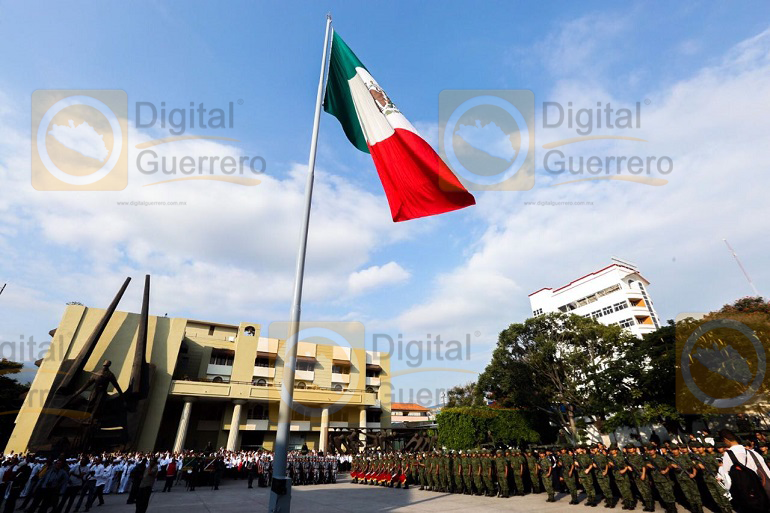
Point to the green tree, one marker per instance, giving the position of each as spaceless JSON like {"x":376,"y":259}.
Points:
{"x":11,"y":397}
{"x":466,"y":428}
{"x":463,"y":395}
{"x":563,"y":365}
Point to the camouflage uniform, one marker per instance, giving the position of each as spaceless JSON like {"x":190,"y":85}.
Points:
{"x":465,"y":466}
{"x":501,"y":467}
{"x":584,"y":463}
{"x":621,"y":473}
{"x":657,"y":464}
{"x":641,"y":477}
{"x":486,"y":473}
{"x":686,"y":483}
{"x":566,"y":459}
{"x":545,"y":470}
{"x":532,"y":466}
{"x":711,"y":466}
{"x":476,"y":472}
{"x":518,"y":465}
{"x":603,"y":477}
{"x":457,"y":473}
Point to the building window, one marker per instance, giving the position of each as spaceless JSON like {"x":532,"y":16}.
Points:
{"x":263,"y":362}
{"x":373,"y":415}
{"x":211,"y":331}
{"x":340,"y":369}
{"x":258,"y":412}
{"x":249,"y":331}
{"x":620,"y":306}
{"x":537,"y":312}
{"x":300,"y":385}
{"x":372,"y":373}
{"x":305,"y":365}
{"x":339,"y":416}
{"x":606,"y":310}
{"x":219,"y":357}
{"x":626,"y":323}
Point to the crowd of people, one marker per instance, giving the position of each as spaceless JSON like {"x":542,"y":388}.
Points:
{"x":35,"y":484}
{"x":692,"y":472}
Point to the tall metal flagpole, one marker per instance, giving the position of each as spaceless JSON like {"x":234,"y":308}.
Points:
{"x":280,"y":492}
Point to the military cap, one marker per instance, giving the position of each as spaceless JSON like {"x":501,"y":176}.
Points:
{"x":674,"y":446}
{"x":614,"y":447}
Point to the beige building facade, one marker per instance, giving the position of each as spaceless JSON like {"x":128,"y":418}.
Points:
{"x":219,"y":385}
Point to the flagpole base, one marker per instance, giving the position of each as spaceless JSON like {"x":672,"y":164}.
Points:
{"x":280,"y":496}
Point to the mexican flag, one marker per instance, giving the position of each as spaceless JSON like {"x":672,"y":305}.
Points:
{"x":417,"y":183}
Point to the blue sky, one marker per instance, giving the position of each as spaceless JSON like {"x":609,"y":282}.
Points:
{"x":229,"y":254}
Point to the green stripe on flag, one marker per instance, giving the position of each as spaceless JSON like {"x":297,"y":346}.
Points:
{"x":338,"y":101}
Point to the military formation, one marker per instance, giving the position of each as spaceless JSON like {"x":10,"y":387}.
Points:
{"x":667,"y":473}
{"x":311,"y":469}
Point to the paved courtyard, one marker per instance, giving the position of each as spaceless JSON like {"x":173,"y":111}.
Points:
{"x":343,"y":497}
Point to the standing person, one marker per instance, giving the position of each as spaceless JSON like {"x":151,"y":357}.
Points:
{"x":518,"y":465}
{"x":170,"y":475}
{"x":737,"y":454}
{"x":78,"y":472}
{"x":567,"y":464}
{"x":659,"y":467}
{"x":635,"y":460}
{"x":21,"y":476}
{"x":136,"y":480}
{"x":145,"y":486}
{"x":584,"y":467}
{"x":251,"y":469}
{"x":101,"y":475}
{"x":532,"y":466}
{"x":602,"y":465}
{"x":546,"y":469}
{"x":219,"y":469}
{"x":51,"y":486}
{"x":685,"y":472}
{"x":501,"y":467}
{"x":709,"y":466}
{"x":621,"y":473}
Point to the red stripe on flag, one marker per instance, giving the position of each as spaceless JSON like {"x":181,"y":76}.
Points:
{"x":417,"y":183}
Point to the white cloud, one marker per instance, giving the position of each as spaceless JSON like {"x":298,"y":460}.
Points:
{"x":375,"y":277}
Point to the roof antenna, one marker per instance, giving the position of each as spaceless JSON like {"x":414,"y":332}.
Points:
{"x":729,"y":247}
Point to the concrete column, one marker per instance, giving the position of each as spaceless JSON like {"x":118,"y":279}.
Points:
{"x":235,"y":424}
{"x":184,"y":422}
{"x":324,"y":429}
{"x":362,"y":422}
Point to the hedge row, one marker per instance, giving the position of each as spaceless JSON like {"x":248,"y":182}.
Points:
{"x":470,"y":427}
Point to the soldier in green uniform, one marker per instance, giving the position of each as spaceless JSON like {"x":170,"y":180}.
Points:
{"x":636,"y":461}
{"x":486,"y":473}
{"x":518,"y":466}
{"x":447,"y":468}
{"x":584,"y":467}
{"x":421,"y":470}
{"x":709,"y":467}
{"x":465,"y":468}
{"x":476,"y":472}
{"x":602,"y":474}
{"x":685,"y":472}
{"x":659,"y":466}
{"x":567,"y":465}
{"x":546,"y":468}
{"x":501,"y":469}
{"x":621,"y":472}
{"x":457,"y":472}
{"x":533,"y":470}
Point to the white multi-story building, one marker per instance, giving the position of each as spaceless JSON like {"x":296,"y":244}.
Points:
{"x":616,"y":294}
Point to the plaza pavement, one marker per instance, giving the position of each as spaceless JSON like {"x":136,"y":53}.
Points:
{"x":343,"y":497}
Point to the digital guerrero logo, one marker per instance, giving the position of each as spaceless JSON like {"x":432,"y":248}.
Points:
{"x":79,"y":140}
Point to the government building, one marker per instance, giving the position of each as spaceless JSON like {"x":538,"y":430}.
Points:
{"x":214,"y":384}
{"x":614,"y":295}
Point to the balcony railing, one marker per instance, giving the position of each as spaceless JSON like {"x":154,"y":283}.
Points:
{"x":264,"y":372}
